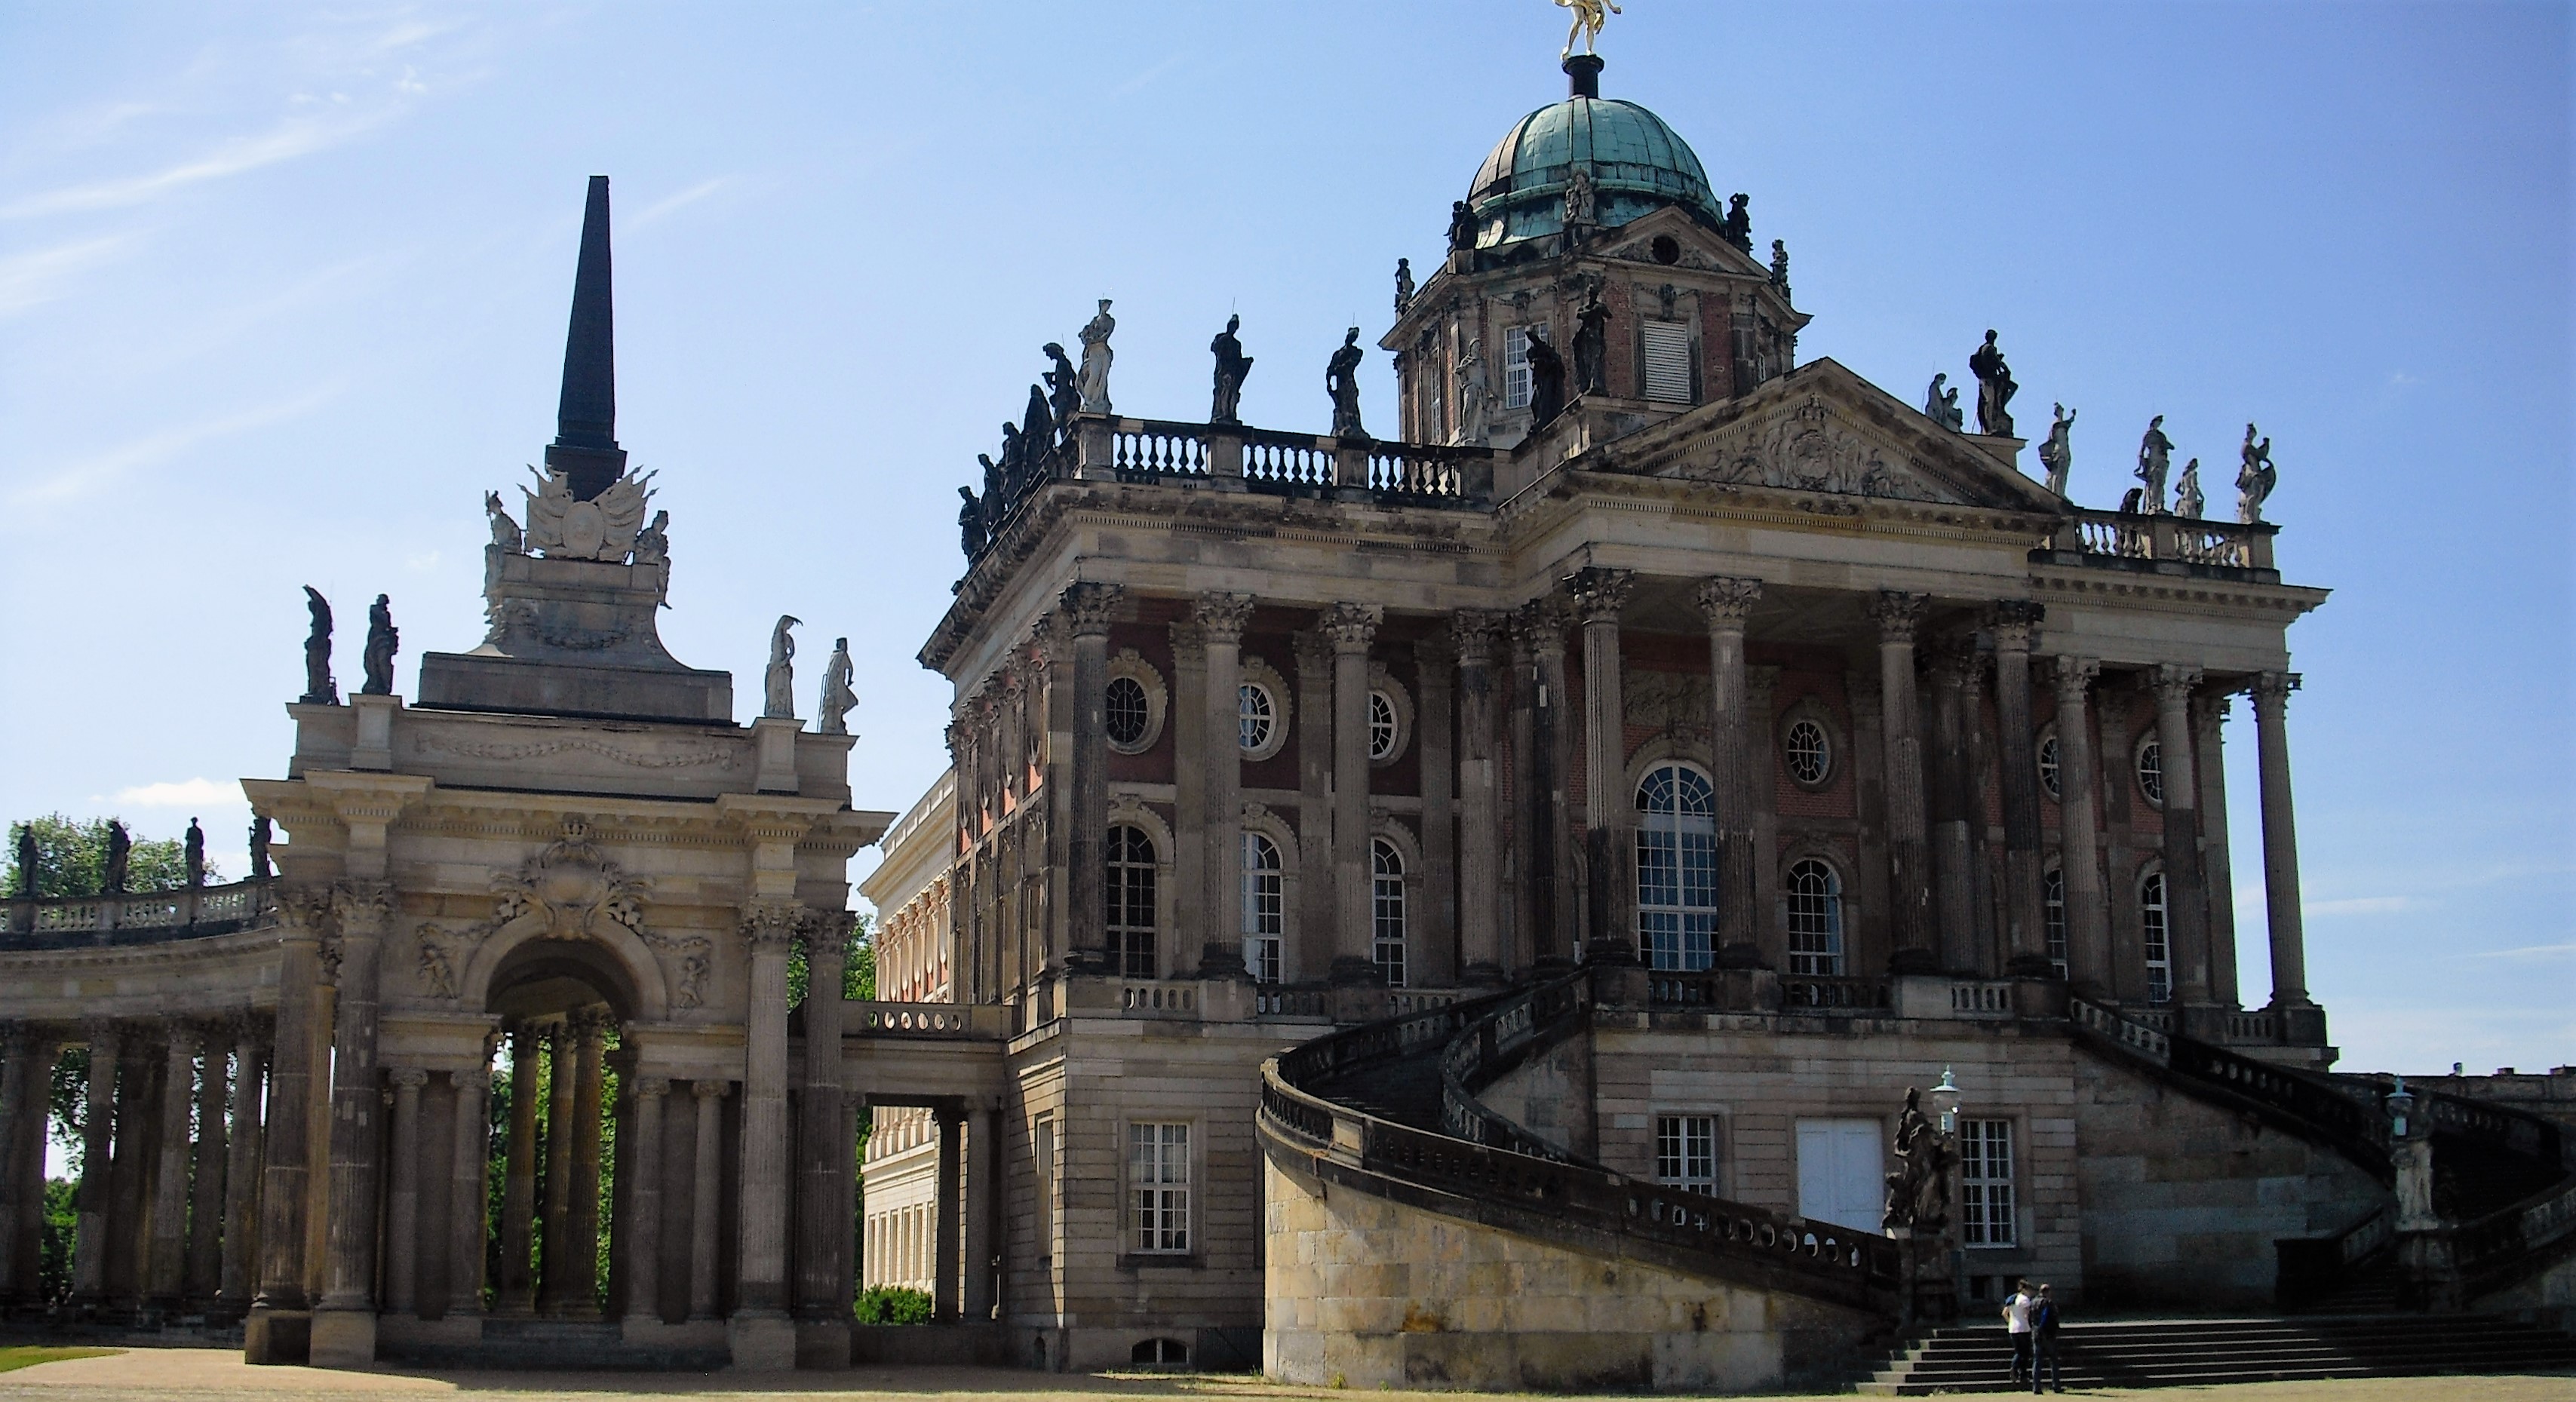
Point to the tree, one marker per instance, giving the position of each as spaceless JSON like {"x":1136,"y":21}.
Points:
{"x":71,"y":860}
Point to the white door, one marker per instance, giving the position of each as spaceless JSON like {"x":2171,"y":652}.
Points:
{"x":1840,"y":1179}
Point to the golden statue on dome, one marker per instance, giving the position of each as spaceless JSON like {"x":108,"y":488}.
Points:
{"x":1588,"y":19}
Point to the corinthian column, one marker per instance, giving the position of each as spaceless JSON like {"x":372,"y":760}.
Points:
{"x":2088,"y":918}
{"x":1909,"y":877}
{"x":823,"y":1232}
{"x":2280,"y":840}
{"x":244,"y":1151}
{"x":1088,"y":607}
{"x":557,"y":1264}
{"x":2025,"y":911}
{"x":1609,"y":813}
{"x":98,"y":1143}
{"x":514,"y":1290}
{"x":1220,"y":619}
{"x":402,"y":1200}
{"x":706,"y":1195}
{"x":2186,"y":899}
{"x":1727,"y":603}
{"x":770,"y":927}
{"x":363,"y":908}
{"x":284,"y":1187}
{"x":1555,"y":926}
{"x":1479,"y":854}
{"x":467,"y":1201}
{"x":644,"y":1199}
{"x":169,"y":1250}
{"x":1351,"y":627}
{"x":206,"y":1188}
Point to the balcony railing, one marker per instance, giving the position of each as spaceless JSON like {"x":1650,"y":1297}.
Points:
{"x":1266,"y":460}
{"x":136,"y":917}
{"x":2175,"y":540}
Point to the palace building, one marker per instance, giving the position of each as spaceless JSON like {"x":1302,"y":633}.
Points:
{"x":1464,"y":908}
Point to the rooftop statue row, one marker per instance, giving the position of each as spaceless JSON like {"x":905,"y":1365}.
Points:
{"x":383,"y":641}
{"x":778,"y":682}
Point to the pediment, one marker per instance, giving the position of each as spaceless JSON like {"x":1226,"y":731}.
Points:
{"x":1821,"y":428}
{"x":1702,"y":249}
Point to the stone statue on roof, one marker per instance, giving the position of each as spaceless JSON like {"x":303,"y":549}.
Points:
{"x":1738,"y":228}
{"x":1233,"y":367}
{"x":970,"y":522}
{"x":192,"y":853}
{"x":383,"y":641}
{"x":1403,"y":286}
{"x":2056,"y":454}
{"x":1592,"y":346}
{"x":838,"y":699}
{"x":319,"y":689}
{"x":2155,"y":456}
{"x":505,"y":532}
{"x":1588,"y":20}
{"x":778,"y":685}
{"x":2187,"y":498}
{"x":1942,"y":406}
{"x":1474,"y":398}
{"x":1064,"y":387}
{"x":2254,"y":478}
{"x":1580,"y":196}
{"x":1096,"y":356}
{"x":1547,"y":379}
{"x":1342,"y":382}
{"x":120,"y":855}
{"x":1995,"y":389}
{"x":1462,"y":227}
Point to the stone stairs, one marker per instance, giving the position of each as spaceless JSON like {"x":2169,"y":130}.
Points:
{"x":555,"y":1345}
{"x":2371,"y":1290}
{"x":2203,"y":1352}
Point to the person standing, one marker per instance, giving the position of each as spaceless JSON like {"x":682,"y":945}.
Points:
{"x":2043,"y":1341}
{"x":2016,"y":1314}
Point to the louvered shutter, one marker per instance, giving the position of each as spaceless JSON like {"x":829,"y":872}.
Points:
{"x":1668,"y":369}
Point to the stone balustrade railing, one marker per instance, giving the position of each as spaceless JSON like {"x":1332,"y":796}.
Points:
{"x":135,"y":917}
{"x":1266,"y":460}
{"x":2174,"y":540}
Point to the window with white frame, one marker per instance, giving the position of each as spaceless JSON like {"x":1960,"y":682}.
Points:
{"x":1516,"y":368}
{"x":1131,"y":902}
{"x":2052,"y":906}
{"x":1384,"y":729}
{"x":2151,"y":770}
{"x":1677,"y":869}
{"x":1986,"y":1215}
{"x":1158,"y":1188}
{"x":1127,"y":711}
{"x":1257,"y":714}
{"x":1042,"y":1139}
{"x":1668,"y":361}
{"x":1686,"y":1152}
{"x":1386,"y":910}
{"x":1808,"y":751}
{"x":2155,"y":937}
{"x":1815,"y":901}
{"x":2049,"y":778}
{"x":1265,"y":907}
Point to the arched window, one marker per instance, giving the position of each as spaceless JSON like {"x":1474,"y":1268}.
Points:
{"x":2049,"y":778}
{"x":1382,"y":730}
{"x":2052,"y":906}
{"x":1256,"y":713}
{"x":1386,"y":910}
{"x":1127,"y":710}
{"x":1131,"y":902}
{"x":1815,"y":898}
{"x":2159,"y":946}
{"x":2151,"y":770}
{"x":1677,"y":869}
{"x":1264,"y":907}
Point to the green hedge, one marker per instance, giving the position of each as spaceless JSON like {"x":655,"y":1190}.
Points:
{"x":893,"y":1304}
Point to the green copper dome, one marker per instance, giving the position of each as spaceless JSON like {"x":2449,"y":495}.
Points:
{"x":1638,"y":166}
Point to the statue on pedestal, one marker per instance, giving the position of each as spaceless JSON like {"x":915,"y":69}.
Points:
{"x":838,"y":698}
{"x":1942,"y":406}
{"x":319,"y":689}
{"x":1342,"y":382}
{"x":778,"y":686}
{"x":1995,"y":389}
{"x":383,"y":641}
{"x":120,"y":854}
{"x":970,"y":523}
{"x":30,"y":861}
{"x":1580,"y":197}
{"x":505,"y":532}
{"x":1096,"y":356}
{"x":1462,"y":227}
{"x":259,"y":839}
{"x":1037,"y":435}
{"x":1233,"y":367}
{"x":1592,"y":347}
{"x":653,"y":550}
{"x":1015,"y":453}
{"x":1547,"y":379}
{"x":1738,"y":229}
{"x":1588,"y":20}
{"x":2155,"y":455}
{"x":2255,"y":478}
{"x":2187,"y":498}
{"x":2055,"y":454}
{"x":192,"y":850}
{"x":1064,"y":387}
{"x":1918,"y":1197}
{"x":1780,"y":264}
{"x":1403,"y":286}
{"x":1474,"y":398}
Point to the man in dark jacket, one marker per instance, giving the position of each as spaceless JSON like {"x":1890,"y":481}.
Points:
{"x":2043,"y":1341}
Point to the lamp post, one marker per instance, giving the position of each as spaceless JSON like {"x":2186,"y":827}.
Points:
{"x":1945,"y":1102}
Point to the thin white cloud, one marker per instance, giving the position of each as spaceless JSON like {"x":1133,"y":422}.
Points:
{"x":2358,"y":905}
{"x":2531,"y":951}
{"x":184,"y":793}
{"x":27,"y":279}
{"x":90,"y":474}
{"x":284,"y":142}
{"x":665,"y":207}
{"x":1138,"y":82}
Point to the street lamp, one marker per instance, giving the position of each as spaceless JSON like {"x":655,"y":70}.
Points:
{"x":1945,"y":1102}
{"x":2401,"y":1104}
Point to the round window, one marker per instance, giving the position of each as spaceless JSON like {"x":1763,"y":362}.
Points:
{"x":1257,"y":714}
{"x":2048,"y":778}
{"x":2151,"y":771}
{"x":1810,"y":752}
{"x":1129,"y":712}
{"x":1382,"y":727}
{"x":1665,"y":249}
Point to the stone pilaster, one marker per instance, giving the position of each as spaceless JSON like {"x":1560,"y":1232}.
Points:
{"x":2186,"y":894}
{"x":1727,"y":604}
{"x":770,"y":927}
{"x":1192,"y":710}
{"x":2025,"y":913}
{"x":823,"y":1231}
{"x":2280,"y":841}
{"x":1871,"y":926}
{"x":643,"y":1284}
{"x":563,"y":1274}
{"x":1352,"y":627}
{"x":1087,"y":609}
{"x":1434,"y":937}
{"x":2088,"y":917}
{"x":1557,"y":928}
{"x":1221,"y":619}
{"x":362,"y":908}
{"x":206,"y":1175}
{"x":1609,"y":810}
{"x":1985,"y":922}
{"x":2217,"y":874}
{"x":285,"y":1187}
{"x":706,"y":1196}
{"x":26,"y":1087}
{"x":515,"y":1291}
{"x":945,"y":1202}
{"x":1318,"y":906}
{"x":402,"y":1196}
{"x":1909,"y":876}
{"x":975,"y":1190}
{"x":1770,"y":933}
{"x":468,"y":1153}
{"x":1480,"y":878}
{"x":1947,"y":805}
{"x":244,"y":1152}
{"x":168,"y":1279}
{"x":98,"y":1146}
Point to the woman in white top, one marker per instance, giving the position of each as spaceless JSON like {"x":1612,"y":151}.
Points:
{"x":2016,"y":1314}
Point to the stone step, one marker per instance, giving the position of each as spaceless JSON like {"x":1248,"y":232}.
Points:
{"x":2205,"y":1352}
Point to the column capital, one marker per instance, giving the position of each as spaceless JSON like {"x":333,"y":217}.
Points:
{"x":2174,"y":683}
{"x":1541,"y":625}
{"x":410,"y":1078}
{"x":1600,"y":593}
{"x":652,"y":1087}
{"x":1898,"y":614}
{"x":363,"y":908}
{"x":1088,"y":606}
{"x":303,"y":911}
{"x":2073,"y":676}
{"x":826,"y":931}
{"x":2013,"y":621}
{"x":472,"y":1080}
{"x":1727,"y":602}
{"x":1221,"y":617}
{"x":2272,"y":691}
{"x":102,"y":1034}
{"x":710,"y":1090}
{"x":772,"y":926}
{"x":1475,"y":631}
{"x":1189,"y":641}
{"x":1314,"y":649}
{"x":1951,"y":661}
{"x":1352,"y":627}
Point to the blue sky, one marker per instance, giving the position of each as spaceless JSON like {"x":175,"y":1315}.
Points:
{"x":282,"y":292}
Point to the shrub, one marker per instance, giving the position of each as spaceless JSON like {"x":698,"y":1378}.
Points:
{"x":893,"y":1304}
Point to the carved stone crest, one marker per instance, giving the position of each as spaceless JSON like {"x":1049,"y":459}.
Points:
{"x":1812,"y":448}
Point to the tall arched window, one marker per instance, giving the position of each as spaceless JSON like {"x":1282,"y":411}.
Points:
{"x":2052,"y":905}
{"x":1815,"y":900}
{"x":1265,"y":907}
{"x":1131,"y":902}
{"x":1677,"y":869}
{"x":1386,"y":910}
{"x":2159,"y":947}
